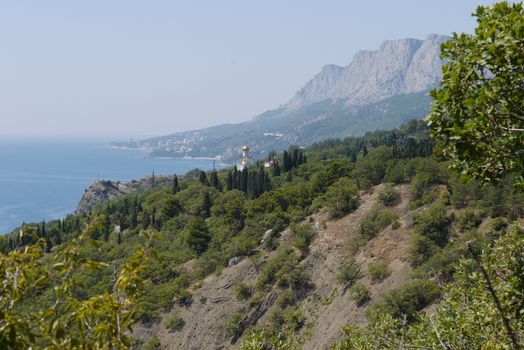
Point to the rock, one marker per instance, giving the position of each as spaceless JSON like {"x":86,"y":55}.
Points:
{"x":398,"y":67}
{"x":266,"y":235}
{"x":100,"y":192}
{"x":316,"y":227}
{"x":233,"y":261}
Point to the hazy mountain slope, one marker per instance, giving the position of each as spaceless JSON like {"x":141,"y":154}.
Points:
{"x":378,"y":90}
{"x":398,"y":67}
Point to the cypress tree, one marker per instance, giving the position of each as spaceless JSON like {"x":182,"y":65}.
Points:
{"x":276,"y":169}
{"x":286,"y":161}
{"x":243,"y":180}
{"x":203,"y":178}
{"x":119,"y":238}
{"x":153,"y":179}
{"x":175,"y":188}
{"x":206,"y":205}
{"x":229,"y":182}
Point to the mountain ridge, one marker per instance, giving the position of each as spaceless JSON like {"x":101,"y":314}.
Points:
{"x":366,"y":95}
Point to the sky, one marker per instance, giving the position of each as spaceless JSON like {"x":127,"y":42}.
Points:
{"x":135,"y":68}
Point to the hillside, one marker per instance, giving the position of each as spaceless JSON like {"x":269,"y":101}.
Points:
{"x":378,"y":90}
{"x":335,"y":234}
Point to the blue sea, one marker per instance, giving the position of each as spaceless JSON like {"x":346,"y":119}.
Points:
{"x":43,"y":179}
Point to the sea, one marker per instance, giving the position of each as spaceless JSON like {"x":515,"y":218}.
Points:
{"x":44,"y":178}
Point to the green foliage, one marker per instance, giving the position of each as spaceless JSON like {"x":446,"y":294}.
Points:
{"x":468,"y":219}
{"x":243,"y":291}
{"x":302,"y":236}
{"x":234,"y":326}
{"x":375,"y":221}
{"x":389,"y":196}
{"x":349,"y":273}
{"x":197,"y":235}
{"x":421,"y":249}
{"x":378,"y":271}
{"x":360,"y":294}
{"x":467,"y":317}
{"x":407,"y":300}
{"x":477,"y":114}
{"x":69,"y":321}
{"x":174,"y":322}
{"x":434,"y":223}
{"x":153,"y":344}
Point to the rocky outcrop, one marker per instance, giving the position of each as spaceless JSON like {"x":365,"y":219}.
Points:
{"x":100,"y":192}
{"x":401,"y":66}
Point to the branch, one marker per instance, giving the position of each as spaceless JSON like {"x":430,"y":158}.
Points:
{"x":491,"y":290}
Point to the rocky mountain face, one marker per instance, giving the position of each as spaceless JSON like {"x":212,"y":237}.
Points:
{"x":379,"y":89}
{"x":100,"y":192}
{"x":398,"y":67}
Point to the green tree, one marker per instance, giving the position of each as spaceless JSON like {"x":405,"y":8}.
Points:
{"x":197,"y":235}
{"x":175,"y":188}
{"x":478,"y":111}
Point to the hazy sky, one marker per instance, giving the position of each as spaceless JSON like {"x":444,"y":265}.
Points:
{"x":136,"y":68}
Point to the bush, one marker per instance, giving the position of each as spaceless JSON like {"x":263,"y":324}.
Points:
{"x":302,"y":236}
{"x":421,"y":249}
{"x":285,"y":299}
{"x":341,"y":198}
{"x":174,"y":323}
{"x":375,"y":221}
{"x":243,"y":291}
{"x":294,"y":319}
{"x":389,"y":196}
{"x":378,"y":271}
{"x":468,"y":219}
{"x":396,"y":225}
{"x":360,"y":294}
{"x":349,"y":273}
{"x":412,"y":297}
{"x":434,"y":223}
{"x":153,"y":344}
{"x":234,"y":326}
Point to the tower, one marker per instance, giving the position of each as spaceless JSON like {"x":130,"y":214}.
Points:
{"x":244,"y":158}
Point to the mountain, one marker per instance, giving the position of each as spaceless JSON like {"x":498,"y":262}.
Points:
{"x":379,"y":89}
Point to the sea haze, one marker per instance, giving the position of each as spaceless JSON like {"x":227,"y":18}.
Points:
{"x":43,"y":179}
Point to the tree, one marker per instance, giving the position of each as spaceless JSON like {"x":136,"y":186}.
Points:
{"x":203,"y":178}
{"x":175,"y":187}
{"x":99,"y":321}
{"x":197,"y":235}
{"x":478,"y":111}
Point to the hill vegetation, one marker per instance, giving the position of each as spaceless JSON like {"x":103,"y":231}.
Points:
{"x":372,"y":233}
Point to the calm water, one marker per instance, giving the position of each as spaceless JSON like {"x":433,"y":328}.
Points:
{"x":44,"y":179}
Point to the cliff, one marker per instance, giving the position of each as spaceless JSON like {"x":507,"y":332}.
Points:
{"x":100,"y":192}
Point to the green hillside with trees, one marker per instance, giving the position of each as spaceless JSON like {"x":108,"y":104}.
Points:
{"x":83,"y":282}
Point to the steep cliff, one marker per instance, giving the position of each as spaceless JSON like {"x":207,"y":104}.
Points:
{"x":100,"y":192}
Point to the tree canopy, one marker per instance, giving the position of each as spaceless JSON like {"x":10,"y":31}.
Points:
{"x":478,"y":111}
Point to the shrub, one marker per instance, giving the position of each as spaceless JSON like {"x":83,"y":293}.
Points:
{"x":294,"y":319}
{"x":234,"y":326}
{"x":360,"y":294}
{"x":285,"y":299}
{"x":174,"y":323}
{"x":375,"y":221}
{"x":421,"y":249}
{"x":243,"y":291}
{"x":349,"y":273}
{"x":341,"y":198}
{"x":396,"y":225}
{"x":378,"y":271}
{"x":153,"y":344}
{"x":389,"y":196}
{"x":302,"y":236}
{"x":434,"y":223}
{"x":468,"y":219}
{"x":412,"y":297}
